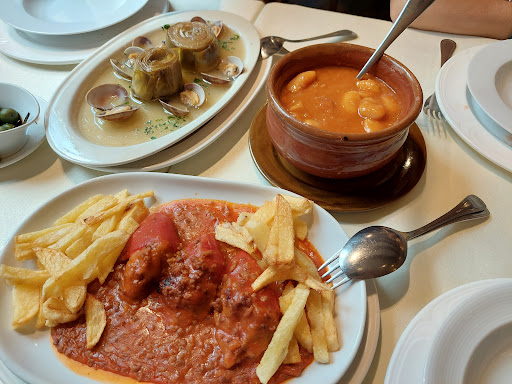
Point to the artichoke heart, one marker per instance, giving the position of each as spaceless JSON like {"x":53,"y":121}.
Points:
{"x":156,"y":74}
{"x":200,"y":49}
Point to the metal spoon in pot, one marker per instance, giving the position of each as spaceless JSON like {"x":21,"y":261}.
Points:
{"x":377,"y":251}
{"x":411,"y":10}
{"x":270,"y":45}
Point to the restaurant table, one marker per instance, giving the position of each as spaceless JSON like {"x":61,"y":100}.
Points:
{"x":453,"y":256}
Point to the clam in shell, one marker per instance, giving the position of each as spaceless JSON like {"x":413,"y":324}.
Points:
{"x":229,"y":69}
{"x":111,"y":100}
{"x":215,"y":26}
{"x":192,"y":96}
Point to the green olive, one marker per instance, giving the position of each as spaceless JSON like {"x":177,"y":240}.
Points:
{"x":6,"y":126}
{"x":9,"y":115}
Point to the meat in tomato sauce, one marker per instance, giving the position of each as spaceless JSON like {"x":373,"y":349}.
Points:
{"x":179,"y":304}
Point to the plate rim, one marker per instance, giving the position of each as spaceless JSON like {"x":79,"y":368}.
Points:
{"x":65,"y":138}
{"x":17,"y":16}
{"x":482,"y":70}
{"x":191,"y":184}
{"x":426,"y":317}
{"x":462,"y":119}
{"x":446,"y":368}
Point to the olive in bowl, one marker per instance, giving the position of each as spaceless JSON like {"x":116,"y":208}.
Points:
{"x":18,"y":110}
{"x":325,"y":122}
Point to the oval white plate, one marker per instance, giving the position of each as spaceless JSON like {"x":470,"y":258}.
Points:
{"x":407,"y":364}
{"x":35,"y":133}
{"x":208,"y":133}
{"x":452,"y":95}
{"x":17,"y":349}
{"x":490,"y":81}
{"x":62,"y":127}
{"x":466,"y":327}
{"x":64,"y":17}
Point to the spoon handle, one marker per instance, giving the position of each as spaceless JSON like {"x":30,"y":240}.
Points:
{"x":472,"y":207}
{"x":344,"y":32}
{"x":412,"y":9}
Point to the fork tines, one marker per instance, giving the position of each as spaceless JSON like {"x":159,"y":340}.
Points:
{"x":330,"y":269}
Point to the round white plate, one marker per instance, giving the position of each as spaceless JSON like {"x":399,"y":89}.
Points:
{"x":452,"y":95}
{"x":72,"y":49}
{"x":64,"y":17}
{"x":45,"y":367}
{"x":208,"y":133}
{"x":62,"y":131}
{"x":35,"y":133}
{"x":490,"y":81}
{"x":407,"y":364}
{"x":467,"y":328}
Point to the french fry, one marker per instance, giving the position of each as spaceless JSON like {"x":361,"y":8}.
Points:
{"x":107,"y":226}
{"x":278,"y":347}
{"x":75,"y":233}
{"x":74,"y":297}
{"x":82,"y":267}
{"x":270,"y":251}
{"x":301,"y":229}
{"x":293,"y":354}
{"x":30,"y":237}
{"x":315,"y":316}
{"x":286,"y":235}
{"x":101,"y":205}
{"x":25,"y":300}
{"x":302,"y":332}
{"x":295,"y":272}
{"x":95,"y":319}
{"x":299,"y":205}
{"x":331,"y":333}
{"x":23,"y":276}
{"x":72,"y":216}
{"x":55,"y":312}
{"x":133,"y":216}
{"x":119,"y":207}
{"x":235,"y":236}
{"x":53,"y":260}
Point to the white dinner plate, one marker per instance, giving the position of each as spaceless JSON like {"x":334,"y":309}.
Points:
{"x":62,"y":126}
{"x":407,"y":364}
{"x":16,"y":349}
{"x":462,"y":338}
{"x":64,"y":17}
{"x":208,"y":133}
{"x":490,"y":82}
{"x":452,"y":95}
{"x":35,"y":133}
{"x":72,"y":49}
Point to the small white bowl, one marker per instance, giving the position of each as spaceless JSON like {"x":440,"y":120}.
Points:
{"x":21,"y":100}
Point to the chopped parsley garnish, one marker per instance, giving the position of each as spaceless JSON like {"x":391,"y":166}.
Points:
{"x":166,"y":26}
{"x":226,"y":44}
{"x":172,"y":123}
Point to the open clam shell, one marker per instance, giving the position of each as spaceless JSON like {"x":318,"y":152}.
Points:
{"x":229,"y":69}
{"x":117,"y":113}
{"x":192,"y":96}
{"x":142,"y":42}
{"x":121,"y":69}
{"x":111,"y":100}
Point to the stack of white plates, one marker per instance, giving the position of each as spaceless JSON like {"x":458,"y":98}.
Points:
{"x":462,"y":337}
{"x":66,"y":32}
{"x":474,"y":91}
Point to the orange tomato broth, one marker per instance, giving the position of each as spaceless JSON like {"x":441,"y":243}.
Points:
{"x":336,"y":101}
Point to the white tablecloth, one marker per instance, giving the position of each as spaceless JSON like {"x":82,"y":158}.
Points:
{"x":448,"y":258}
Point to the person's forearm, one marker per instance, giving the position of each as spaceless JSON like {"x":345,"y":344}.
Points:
{"x":488,"y":18}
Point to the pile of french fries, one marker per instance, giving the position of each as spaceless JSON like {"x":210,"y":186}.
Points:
{"x":307,"y":305}
{"x":81,"y":246}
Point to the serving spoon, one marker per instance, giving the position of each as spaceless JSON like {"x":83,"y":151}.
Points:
{"x":377,"y":250}
{"x":411,"y":10}
{"x":270,"y":45}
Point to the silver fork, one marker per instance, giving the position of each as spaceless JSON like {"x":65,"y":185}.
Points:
{"x":431,"y":107}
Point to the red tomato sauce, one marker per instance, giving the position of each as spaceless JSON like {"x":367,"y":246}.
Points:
{"x":179,"y":304}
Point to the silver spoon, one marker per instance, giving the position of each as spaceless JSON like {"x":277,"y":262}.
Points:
{"x":377,"y":251}
{"x":411,"y":10}
{"x":270,"y":45}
